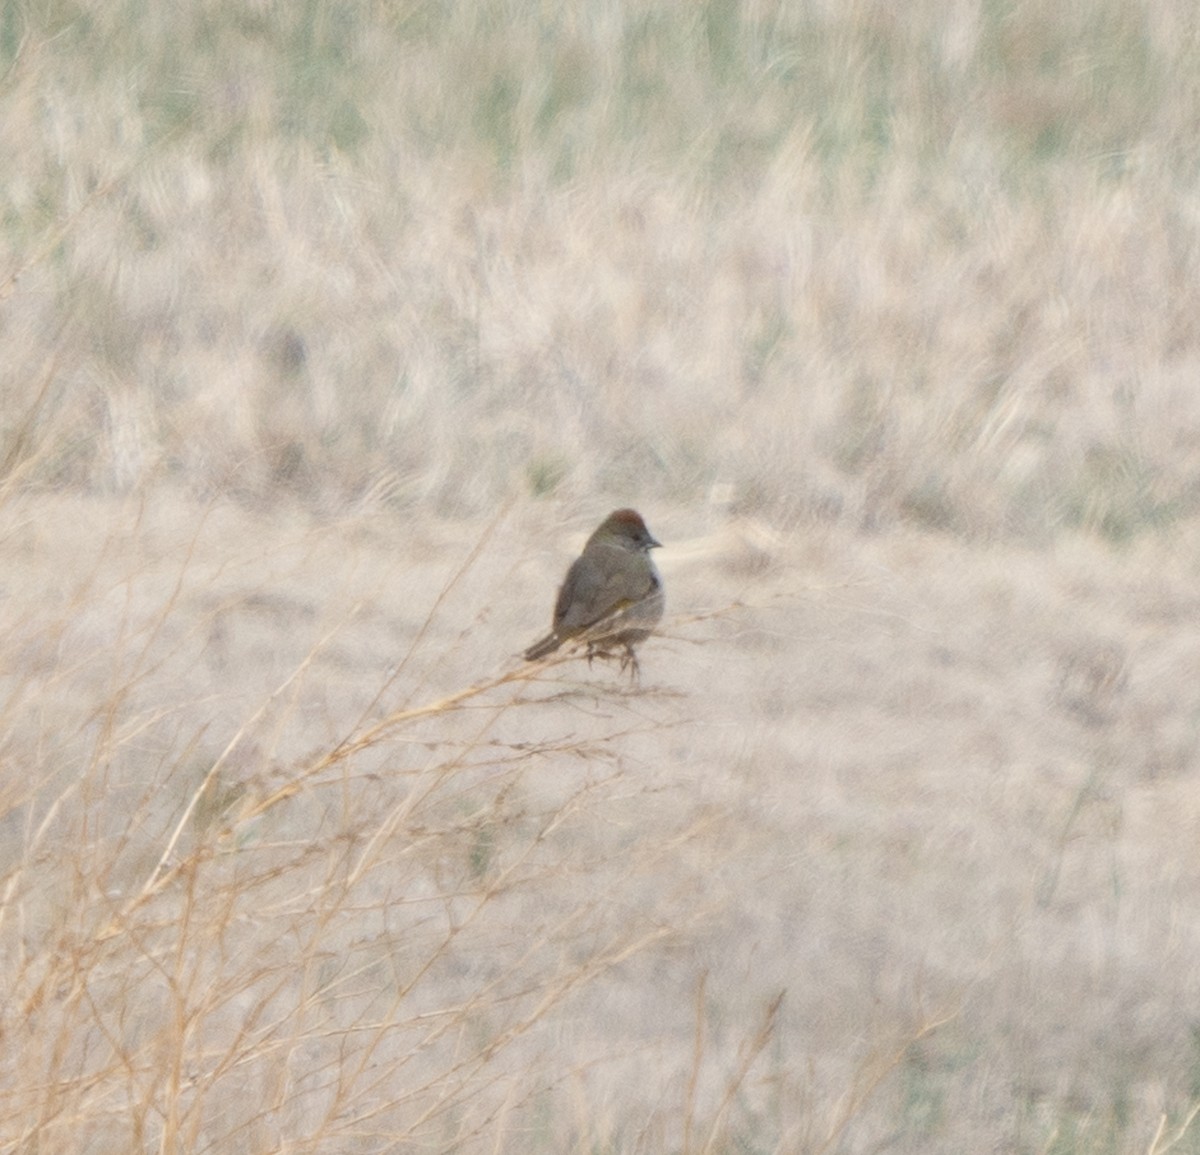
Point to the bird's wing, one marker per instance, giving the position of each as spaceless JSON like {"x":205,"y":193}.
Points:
{"x":601,"y":585}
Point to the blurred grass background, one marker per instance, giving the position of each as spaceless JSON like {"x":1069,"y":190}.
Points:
{"x":325,"y":330}
{"x":934,"y":264}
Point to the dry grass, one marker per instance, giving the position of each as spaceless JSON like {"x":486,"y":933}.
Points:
{"x":248,"y":900}
{"x":941,"y":269}
{"x":327,"y":331}
{"x":296,"y":853}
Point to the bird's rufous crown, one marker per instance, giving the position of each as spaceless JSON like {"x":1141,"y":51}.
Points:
{"x":626,"y":517}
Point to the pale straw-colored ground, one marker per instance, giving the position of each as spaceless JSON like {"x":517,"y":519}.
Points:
{"x":891,"y":780}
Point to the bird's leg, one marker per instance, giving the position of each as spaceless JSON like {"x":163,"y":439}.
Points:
{"x":629,"y":662}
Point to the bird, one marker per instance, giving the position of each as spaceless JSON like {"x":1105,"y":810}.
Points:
{"x":612,"y":596}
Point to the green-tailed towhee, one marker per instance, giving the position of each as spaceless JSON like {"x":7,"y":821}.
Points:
{"x":612,"y":596}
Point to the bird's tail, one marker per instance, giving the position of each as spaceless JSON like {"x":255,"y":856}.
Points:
{"x":540,"y":649}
